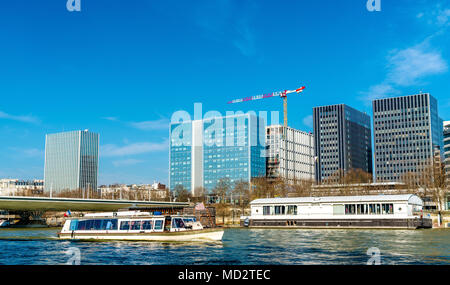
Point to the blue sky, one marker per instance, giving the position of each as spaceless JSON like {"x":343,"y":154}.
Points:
{"x":123,"y":67}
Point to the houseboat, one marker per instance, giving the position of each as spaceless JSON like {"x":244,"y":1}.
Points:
{"x":138,"y":226}
{"x":372,"y":211}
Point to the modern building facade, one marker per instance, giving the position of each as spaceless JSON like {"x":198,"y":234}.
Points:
{"x":407,"y":134}
{"x":290,"y":154}
{"x":71,"y":161}
{"x":204,"y":151}
{"x":342,"y":138}
{"x":447,"y":152}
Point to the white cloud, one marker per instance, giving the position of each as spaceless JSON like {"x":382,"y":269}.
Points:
{"x":308,"y":121}
{"x":110,"y":118}
{"x":409,"y":65}
{"x":443,"y":17}
{"x":378,"y":91}
{"x":161,"y":124}
{"x":132,"y":149}
{"x":126,"y":162}
{"x":25,"y":119}
{"x":28,"y":152}
{"x":406,"y":67}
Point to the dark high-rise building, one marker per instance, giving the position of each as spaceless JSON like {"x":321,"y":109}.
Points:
{"x":342,"y":139}
{"x":407,"y":133}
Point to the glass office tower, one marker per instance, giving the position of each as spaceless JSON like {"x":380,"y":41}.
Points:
{"x":342,"y":138}
{"x":204,"y":151}
{"x":407,"y":132}
{"x":71,"y":161}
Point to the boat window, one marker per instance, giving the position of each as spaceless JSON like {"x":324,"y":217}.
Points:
{"x":158,"y":224}
{"x":124,"y":225}
{"x":147,"y":225}
{"x":378,"y":209}
{"x":81,"y":225}
{"x":189,"y":220}
{"x":89,"y":224}
{"x":266,"y":210}
{"x":135,"y":225}
{"x":73,"y":225}
{"x":96,"y":224}
{"x":177,"y":223}
{"x":110,"y":224}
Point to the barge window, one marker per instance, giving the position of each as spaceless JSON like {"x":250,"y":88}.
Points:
{"x":292,"y":210}
{"x":378,"y":209}
{"x":147,"y":225}
{"x":350,"y":209}
{"x":279,"y":210}
{"x":135,"y":225}
{"x":266,"y":210}
{"x":124,"y":225}
{"x":158,"y":224}
{"x":388,"y":209}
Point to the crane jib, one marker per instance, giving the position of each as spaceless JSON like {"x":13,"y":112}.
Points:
{"x":263,"y":96}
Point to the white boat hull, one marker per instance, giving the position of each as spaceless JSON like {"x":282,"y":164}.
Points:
{"x":200,"y":235}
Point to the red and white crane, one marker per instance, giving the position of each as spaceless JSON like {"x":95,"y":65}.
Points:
{"x":282,"y":94}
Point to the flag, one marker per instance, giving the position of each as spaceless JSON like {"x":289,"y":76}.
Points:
{"x":200,"y":207}
{"x":68,"y":213}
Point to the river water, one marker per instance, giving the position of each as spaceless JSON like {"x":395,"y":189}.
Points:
{"x":239,"y":246}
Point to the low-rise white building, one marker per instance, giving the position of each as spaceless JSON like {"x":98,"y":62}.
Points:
{"x":10,"y":187}
{"x":153,"y":191}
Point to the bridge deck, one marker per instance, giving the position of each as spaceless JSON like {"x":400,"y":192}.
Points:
{"x":18,"y":203}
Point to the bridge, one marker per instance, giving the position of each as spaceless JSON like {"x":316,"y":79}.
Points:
{"x":20,"y":203}
{"x":31,"y":209}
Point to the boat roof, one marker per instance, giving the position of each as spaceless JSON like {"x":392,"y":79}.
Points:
{"x":410,"y":198}
{"x":128,"y":214}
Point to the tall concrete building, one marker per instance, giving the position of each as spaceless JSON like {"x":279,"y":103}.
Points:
{"x":290,"y":154}
{"x":204,"y":151}
{"x":447,"y":152}
{"x":342,"y":138}
{"x":407,"y":134}
{"x":71,"y":161}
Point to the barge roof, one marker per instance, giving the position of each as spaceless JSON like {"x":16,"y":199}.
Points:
{"x":410,"y":198}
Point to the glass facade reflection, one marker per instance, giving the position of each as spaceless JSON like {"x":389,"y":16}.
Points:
{"x":71,"y":161}
{"x":204,"y":151}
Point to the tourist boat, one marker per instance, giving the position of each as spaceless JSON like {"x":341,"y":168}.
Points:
{"x":138,"y":226}
{"x":372,"y":211}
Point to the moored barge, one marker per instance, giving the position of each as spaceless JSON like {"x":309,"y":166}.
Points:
{"x":371,"y":211}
